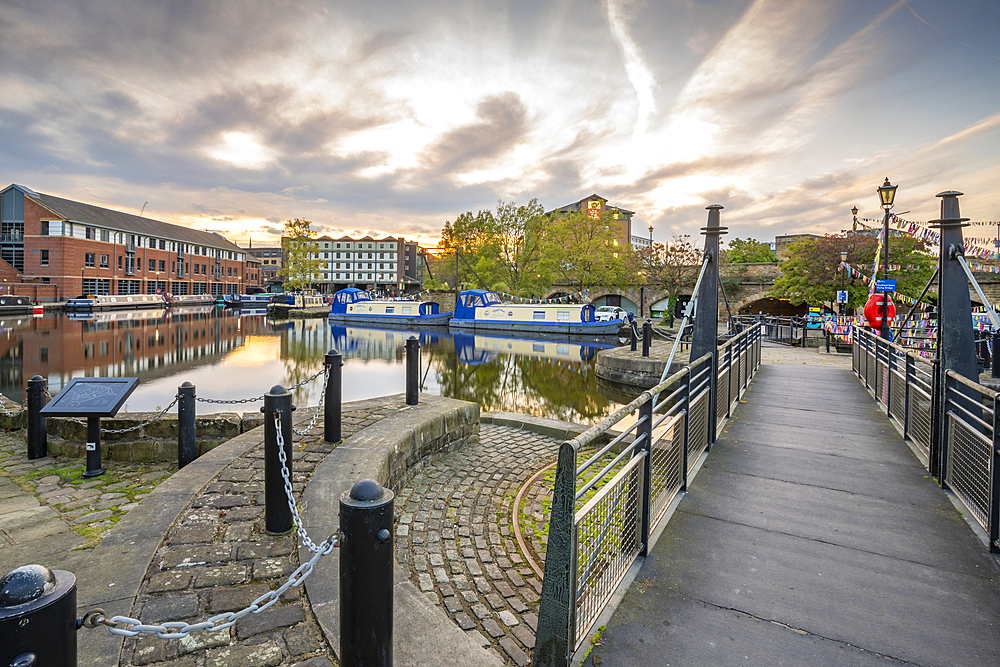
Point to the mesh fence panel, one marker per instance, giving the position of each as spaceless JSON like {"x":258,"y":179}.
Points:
{"x":698,"y":431}
{"x":721,"y":407}
{"x":919,"y":414}
{"x":668,"y":441}
{"x":608,"y":541}
{"x":897,"y":391}
{"x":968,"y":475}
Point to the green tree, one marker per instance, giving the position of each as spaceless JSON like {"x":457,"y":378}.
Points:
{"x":519,"y":244}
{"x":302,"y":265}
{"x":585,"y":251}
{"x":811,"y":272}
{"x":674,"y":265}
{"x":748,"y":251}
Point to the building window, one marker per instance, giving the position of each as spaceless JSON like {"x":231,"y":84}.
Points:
{"x":152,"y":265}
{"x":163,"y":265}
{"x":119,"y":262}
{"x":105,"y":235}
{"x":89,"y":259}
{"x":197,"y":268}
{"x":91,"y":233}
{"x":43,"y":257}
{"x":163,"y":244}
{"x":104,"y":262}
{"x":45,"y":228}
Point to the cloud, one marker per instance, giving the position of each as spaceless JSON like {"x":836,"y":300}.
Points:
{"x":638,"y":73}
{"x":501,"y":123}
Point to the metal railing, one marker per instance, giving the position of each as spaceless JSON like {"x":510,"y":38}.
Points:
{"x":604,"y":508}
{"x":954,"y":425}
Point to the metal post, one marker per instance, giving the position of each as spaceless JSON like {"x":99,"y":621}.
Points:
{"x":645,"y":430}
{"x":187,"y":442}
{"x":277,"y":514}
{"x":38,"y":617}
{"x":993,"y":520}
{"x":827,"y":342}
{"x":412,"y":370}
{"x":93,"y":447}
{"x":632,"y":334}
{"x":332,"y":406}
{"x":366,"y":581}
{"x":647,"y":337}
{"x":704,"y":338}
{"x":687,"y":431}
{"x":908,"y":373}
{"x":37,"y":432}
{"x":995,"y":370}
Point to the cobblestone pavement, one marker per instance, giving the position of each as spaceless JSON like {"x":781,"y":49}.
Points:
{"x":217,"y":558}
{"x":455,"y":538}
{"x":49,"y":498}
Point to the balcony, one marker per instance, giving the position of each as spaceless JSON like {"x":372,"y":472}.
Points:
{"x":130,"y":248}
{"x":12,"y":237}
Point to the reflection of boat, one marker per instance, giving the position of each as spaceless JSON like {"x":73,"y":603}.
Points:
{"x":176,"y":300}
{"x":354,"y":305}
{"x":282,"y":304}
{"x":482,"y":310}
{"x":479,"y":349}
{"x":117,"y":315}
{"x":115,"y":301}
{"x":378,"y":342}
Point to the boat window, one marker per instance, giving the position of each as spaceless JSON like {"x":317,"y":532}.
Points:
{"x":407,"y":310}
{"x":562,"y":315}
{"x":491,"y":298}
{"x":470,"y":301}
{"x":539,"y":315}
{"x":390,"y":310}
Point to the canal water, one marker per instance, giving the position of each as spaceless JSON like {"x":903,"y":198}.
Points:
{"x":232,"y":354}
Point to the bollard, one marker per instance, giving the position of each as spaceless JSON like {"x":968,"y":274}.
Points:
{"x":366,"y":517}
{"x":37,"y":432}
{"x":633,"y":335}
{"x":334,"y":397}
{"x":996,"y":354}
{"x":277,"y":514}
{"x":187,"y":445}
{"x":412,"y":369}
{"x":828,"y":342}
{"x":647,"y":336}
{"x":38,"y":617}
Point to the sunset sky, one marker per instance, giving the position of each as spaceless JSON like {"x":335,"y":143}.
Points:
{"x":381,"y":117}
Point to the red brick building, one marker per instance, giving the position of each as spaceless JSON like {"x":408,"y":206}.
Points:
{"x":83,"y":249}
{"x":595,"y":206}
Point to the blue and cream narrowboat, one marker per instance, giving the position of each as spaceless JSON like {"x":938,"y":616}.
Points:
{"x":283,"y":304}
{"x":256,"y":300}
{"x":484,"y":311}
{"x":358,"y":307}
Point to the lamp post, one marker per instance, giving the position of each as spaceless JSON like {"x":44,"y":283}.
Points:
{"x":651,"y":235}
{"x":843,"y":279}
{"x":854,"y":212}
{"x":886,"y":194}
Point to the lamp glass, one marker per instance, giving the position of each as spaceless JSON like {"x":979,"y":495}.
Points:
{"x":843,"y":256}
{"x":854,"y":211}
{"x":887,"y":193}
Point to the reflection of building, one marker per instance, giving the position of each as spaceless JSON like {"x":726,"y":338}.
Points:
{"x":147,"y":344}
{"x":63,"y":248}
{"x":595,"y":206}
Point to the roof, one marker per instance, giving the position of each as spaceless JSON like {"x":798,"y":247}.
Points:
{"x":576,"y":206}
{"x":74,"y":211}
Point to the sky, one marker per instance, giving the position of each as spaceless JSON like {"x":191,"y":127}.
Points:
{"x":390,"y":118}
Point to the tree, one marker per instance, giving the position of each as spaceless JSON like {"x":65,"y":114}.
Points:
{"x":585,"y":251}
{"x":811,"y":272}
{"x":302,"y":264}
{"x":748,"y":251}
{"x":674,"y":265}
{"x":519,"y":243}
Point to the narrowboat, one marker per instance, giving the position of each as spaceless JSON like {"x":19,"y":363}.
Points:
{"x":481,"y":310}
{"x":283,"y":304}
{"x":256,"y":300}
{"x":115,"y":302}
{"x":357,"y":306}
{"x":175,"y":300}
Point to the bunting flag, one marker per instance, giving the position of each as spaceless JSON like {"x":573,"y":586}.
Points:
{"x":975,"y":246}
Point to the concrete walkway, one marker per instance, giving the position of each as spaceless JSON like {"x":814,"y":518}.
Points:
{"x":811,"y":536}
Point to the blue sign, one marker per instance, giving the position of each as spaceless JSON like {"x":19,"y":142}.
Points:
{"x":885,"y":285}
{"x":841,"y":296}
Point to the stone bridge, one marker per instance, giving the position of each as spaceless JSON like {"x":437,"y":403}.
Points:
{"x":746,"y":287}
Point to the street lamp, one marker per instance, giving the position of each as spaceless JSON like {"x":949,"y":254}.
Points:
{"x":651,"y":236}
{"x":886,"y":195}
{"x":843,"y":280}
{"x":854,"y":212}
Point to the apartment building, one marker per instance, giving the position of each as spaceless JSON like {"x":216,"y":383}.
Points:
{"x":270,"y":258}
{"x":387,"y":264}
{"x":595,"y":206}
{"x":83,"y":249}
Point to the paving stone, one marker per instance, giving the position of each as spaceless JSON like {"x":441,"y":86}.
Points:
{"x":269,"y":619}
{"x":452,"y":604}
{"x":516,"y":604}
{"x":162,"y":582}
{"x":193,"y":534}
{"x":225,"y":575}
{"x":243,"y":514}
{"x":258,"y":655}
{"x":93,"y":516}
{"x":425,"y":582}
{"x":514,"y":652}
{"x":481,"y":611}
{"x":524,"y":635}
{"x":315,"y":661}
{"x":496,"y":601}
{"x":508,"y":618}
{"x":149,"y":649}
{"x":492,"y":628}
{"x":464,"y":621}
{"x":234,"y":599}
{"x":192,"y":556}
{"x":240,"y":532}
{"x":202,"y":640}
{"x":504,"y":588}
{"x":170,"y":608}
{"x":268,"y":568}
{"x":531,"y":620}
{"x":279,"y":547}
{"x":303,"y":639}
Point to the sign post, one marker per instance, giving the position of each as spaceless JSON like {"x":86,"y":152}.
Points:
{"x":92,"y":398}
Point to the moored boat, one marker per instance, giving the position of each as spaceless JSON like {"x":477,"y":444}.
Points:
{"x":115,"y":301}
{"x":357,"y":306}
{"x":482,"y":310}
{"x":256,"y":300}
{"x":175,"y":300}
{"x":283,"y":304}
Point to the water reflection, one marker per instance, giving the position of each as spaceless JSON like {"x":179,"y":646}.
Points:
{"x":231,"y":355}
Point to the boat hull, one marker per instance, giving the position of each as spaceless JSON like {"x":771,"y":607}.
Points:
{"x":116,"y":302}
{"x":440,"y":320}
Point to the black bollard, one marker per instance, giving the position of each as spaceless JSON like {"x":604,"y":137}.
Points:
{"x":93,"y":447}
{"x":38,"y":617}
{"x":366,"y":517}
{"x":334,"y":397}
{"x":412,"y":369}
{"x":828,"y":342}
{"x":277,"y":514}
{"x":37,"y":432}
{"x":996,"y":354}
{"x":647,"y":336}
{"x":187,"y":442}
{"x":632,"y":334}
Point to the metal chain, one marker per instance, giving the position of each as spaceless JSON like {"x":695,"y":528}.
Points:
{"x":254,"y":399}
{"x":132,"y":428}
{"x":319,"y":409}
{"x":296,"y":520}
{"x":307,"y":380}
{"x":3,"y":408}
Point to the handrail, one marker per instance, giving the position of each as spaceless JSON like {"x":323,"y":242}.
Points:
{"x":971,"y":384}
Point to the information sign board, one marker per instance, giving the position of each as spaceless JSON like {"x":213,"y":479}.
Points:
{"x":885,"y":285}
